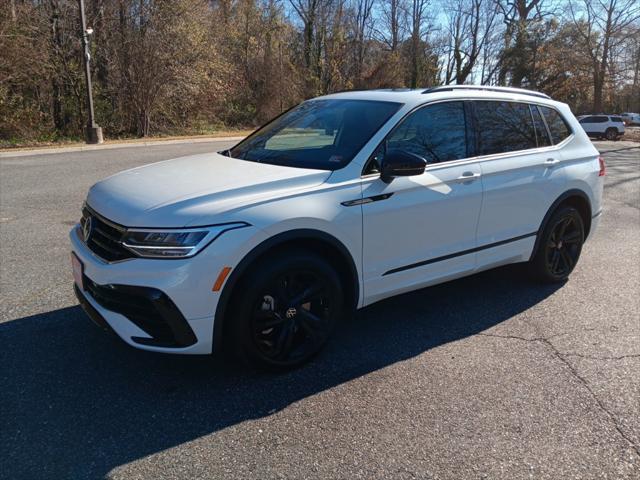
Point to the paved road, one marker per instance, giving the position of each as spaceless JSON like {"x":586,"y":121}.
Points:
{"x":485,"y":377}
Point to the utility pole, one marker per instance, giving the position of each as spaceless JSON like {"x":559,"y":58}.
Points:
{"x":93,"y":132}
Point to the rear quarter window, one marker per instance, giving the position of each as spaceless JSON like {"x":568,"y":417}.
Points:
{"x":616,"y":119}
{"x":558,"y":126}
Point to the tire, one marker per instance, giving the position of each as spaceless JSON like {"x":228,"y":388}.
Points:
{"x":611,"y":134}
{"x":285,"y":310}
{"x":559,"y":247}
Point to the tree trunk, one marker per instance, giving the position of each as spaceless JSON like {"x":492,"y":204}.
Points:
{"x":143,"y":123}
{"x":519,"y":55}
{"x":308,"y":40}
{"x":394,"y":25}
{"x":601,"y":68}
{"x":57,"y":100}
{"x":598,"y":85}
{"x":415,"y":66}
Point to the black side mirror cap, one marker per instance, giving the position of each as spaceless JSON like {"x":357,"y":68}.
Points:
{"x":399,"y":163}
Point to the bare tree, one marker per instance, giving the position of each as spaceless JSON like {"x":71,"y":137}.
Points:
{"x":518,"y":17}
{"x":417,"y":18}
{"x":392,"y":23}
{"x":362,"y":29}
{"x":603,"y":26}
{"x":309,"y":12}
{"x":470,"y":24}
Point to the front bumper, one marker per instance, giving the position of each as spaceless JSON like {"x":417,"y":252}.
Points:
{"x":158,"y":304}
{"x":148,"y":308}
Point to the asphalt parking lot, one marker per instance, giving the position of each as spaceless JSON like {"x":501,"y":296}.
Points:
{"x":486,"y":377}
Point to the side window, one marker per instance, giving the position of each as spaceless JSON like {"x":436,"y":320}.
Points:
{"x":541,"y":130}
{"x":616,"y":119}
{"x":557,"y":126}
{"x":436,"y":132}
{"x":504,"y":127}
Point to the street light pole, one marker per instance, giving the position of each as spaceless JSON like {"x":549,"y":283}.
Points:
{"x":93,"y":132}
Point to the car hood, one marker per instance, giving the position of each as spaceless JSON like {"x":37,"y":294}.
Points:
{"x":194,"y":190}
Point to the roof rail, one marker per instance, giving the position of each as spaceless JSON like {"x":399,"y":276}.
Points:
{"x":486,"y":88}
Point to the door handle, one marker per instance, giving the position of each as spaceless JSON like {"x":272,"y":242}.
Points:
{"x":551,"y":161}
{"x":468,"y":177}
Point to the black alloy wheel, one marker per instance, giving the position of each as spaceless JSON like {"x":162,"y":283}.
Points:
{"x":287,"y":310}
{"x":292,"y":317}
{"x":563,"y":247}
{"x":611,"y":134}
{"x":560,"y":246}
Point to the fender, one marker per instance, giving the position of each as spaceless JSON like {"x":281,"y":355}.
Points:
{"x":569,"y":193}
{"x":266,"y":245}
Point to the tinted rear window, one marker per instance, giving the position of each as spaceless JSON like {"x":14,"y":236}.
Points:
{"x":594,"y":119}
{"x":504,"y":127}
{"x":557,"y":125}
{"x":616,"y":119}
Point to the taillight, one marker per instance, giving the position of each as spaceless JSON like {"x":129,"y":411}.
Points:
{"x":603,"y":167}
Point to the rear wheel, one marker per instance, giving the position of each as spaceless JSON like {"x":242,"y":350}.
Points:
{"x":560,"y":246}
{"x":285,"y":310}
{"x":611,"y":134}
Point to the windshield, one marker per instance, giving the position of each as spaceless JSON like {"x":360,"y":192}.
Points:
{"x":319,"y":134}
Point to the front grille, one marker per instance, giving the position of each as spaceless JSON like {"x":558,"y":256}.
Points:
{"x":104,"y":237}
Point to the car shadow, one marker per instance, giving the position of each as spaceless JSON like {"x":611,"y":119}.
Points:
{"x":76,"y":402}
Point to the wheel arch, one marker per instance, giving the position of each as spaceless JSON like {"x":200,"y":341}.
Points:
{"x":575,"y":198}
{"x":319,"y":242}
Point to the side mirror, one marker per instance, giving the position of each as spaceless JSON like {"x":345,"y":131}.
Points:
{"x":398,"y":163}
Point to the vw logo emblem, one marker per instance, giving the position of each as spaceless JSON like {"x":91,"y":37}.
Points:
{"x":291,"y":312}
{"x":87,"y":226}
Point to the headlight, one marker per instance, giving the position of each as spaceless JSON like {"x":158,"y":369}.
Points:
{"x":174,"y":243}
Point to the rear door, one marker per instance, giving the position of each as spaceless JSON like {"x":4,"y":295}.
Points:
{"x":420,"y":229}
{"x":520,"y":176}
{"x":618,"y":124}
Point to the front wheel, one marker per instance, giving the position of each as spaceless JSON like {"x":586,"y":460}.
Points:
{"x":559,"y":247}
{"x":285,"y":310}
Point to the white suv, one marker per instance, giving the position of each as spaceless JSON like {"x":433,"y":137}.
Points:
{"x":631,"y":118}
{"x":603,"y":126}
{"x":340,"y":202}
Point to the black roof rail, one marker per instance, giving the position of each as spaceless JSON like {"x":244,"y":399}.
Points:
{"x":486,"y":88}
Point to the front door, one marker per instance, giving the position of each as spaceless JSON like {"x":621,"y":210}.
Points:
{"x":422,"y":229}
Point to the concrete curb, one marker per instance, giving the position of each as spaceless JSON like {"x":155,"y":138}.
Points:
{"x":110,"y":146}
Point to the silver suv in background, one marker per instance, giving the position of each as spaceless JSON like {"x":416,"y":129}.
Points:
{"x":602,"y":126}
{"x":631,"y":118}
